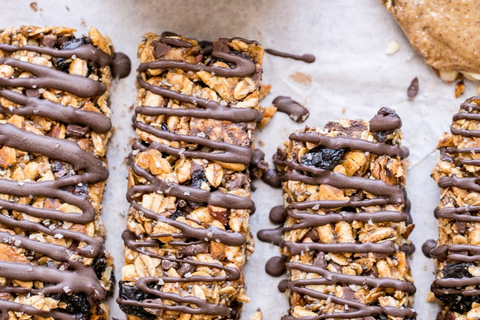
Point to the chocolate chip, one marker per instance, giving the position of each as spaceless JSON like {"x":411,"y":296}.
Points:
{"x":413,"y":88}
{"x":49,"y":40}
{"x":238,"y":180}
{"x":59,"y":169}
{"x":186,"y":268}
{"x":167,"y":264}
{"x":323,"y":158}
{"x":159,"y":49}
{"x":194,"y":249}
{"x":76,"y":131}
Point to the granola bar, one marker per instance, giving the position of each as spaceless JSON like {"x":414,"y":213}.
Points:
{"x":187,"y":235}
{"x":345,"y":221}
{"x":456,"y":250}
{"x":54,"y":127}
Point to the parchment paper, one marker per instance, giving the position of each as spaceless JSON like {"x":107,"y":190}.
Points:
{"x":352,"y":77}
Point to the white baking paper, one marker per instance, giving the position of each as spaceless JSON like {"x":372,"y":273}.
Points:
{"x":353,"y":77}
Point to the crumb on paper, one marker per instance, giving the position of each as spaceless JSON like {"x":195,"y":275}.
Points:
{"x":343,"y":110}
{"x":268,"y":113}
{"x":261,"y":143}
{"x":68,"y":9}
{"x":392,"y":47}
{"x":83,"y":23}
{"x":412,"y":89}
{"x":34,"y":6}
{"x":302,"y":78}
{"x":431,"y":297}
{"x":130,"y":109}
{"x":459,"y":88}
{"x":256,"y":316}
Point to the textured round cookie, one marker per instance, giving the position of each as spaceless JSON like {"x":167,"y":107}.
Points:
{"x":445,"y":33}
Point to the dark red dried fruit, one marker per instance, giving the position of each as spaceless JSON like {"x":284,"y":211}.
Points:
{"x":135,"y":294}
{"x":198,"y":176}
{"x":76,"y":303}
{"x":323,"y":158}
{"x":99,"y":266}
{"x":413,"y":88}
{"x":457,"y":302}
{"x":64,"y":64}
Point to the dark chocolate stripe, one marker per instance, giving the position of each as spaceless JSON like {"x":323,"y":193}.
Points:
{"x":394,"y":194}
{"x":211,"y":109}
{"x":243,"y":67}
{"x":309,"y":219}
{"x":384,"y":247}
{"x":216,"y":198}
{"x":85,"y":52}
{"x":459,"y":252}
{"x":465,"y":133}
{"x":50,"y":78}
{"x":81,"y":279}
{"x":329,"y":278}
{"x":467,"y":183}
{"x":94,"y":246}
{"x":233,"y":153}
{"x":202,"y":306}
{"x":358,"y":309}
{"x":133,"y":243}
{"x":6,"y":306}
{"x":308,"y":58}
{"x":45,"y":108}
{"x":351,"y":143}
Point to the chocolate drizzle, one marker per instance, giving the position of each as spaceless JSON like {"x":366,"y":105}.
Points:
{"x":230,"y":153}
{"x":453,"y":254}
{"x":308,"y":58}
{"x":292,"y":108}
{"x":77,"y":278}
{"x":386,"y":194}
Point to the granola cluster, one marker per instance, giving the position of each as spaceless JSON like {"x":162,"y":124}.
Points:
{"x":54,"y":127}
{"x":187,"y":236}
{"x":345,"y":235}
{"x":456,"y":250}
